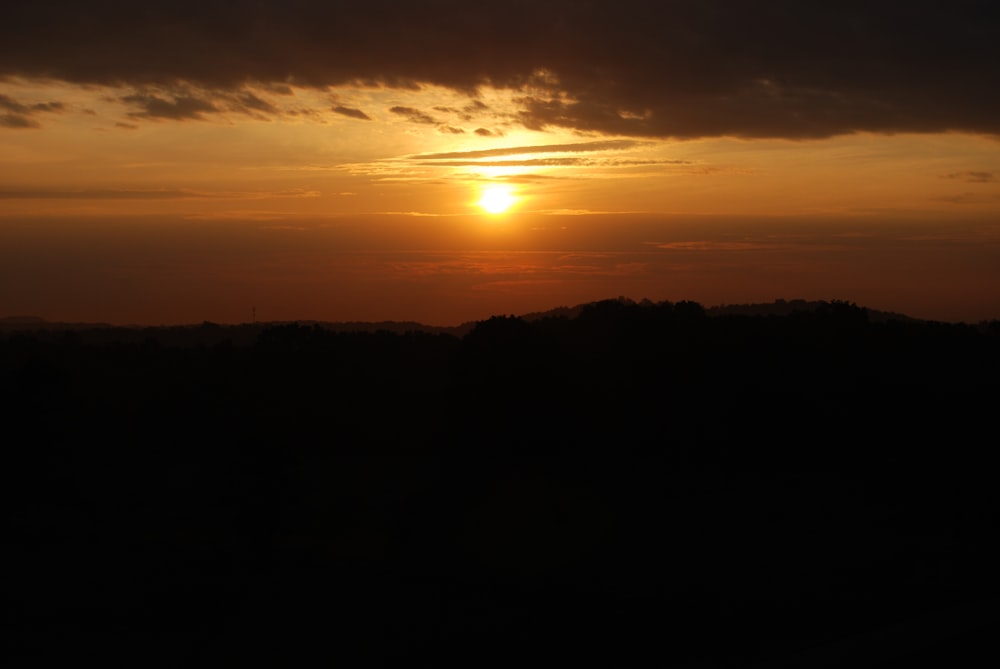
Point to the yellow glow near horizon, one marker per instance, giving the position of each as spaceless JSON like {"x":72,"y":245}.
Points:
{"x":497,"y":199}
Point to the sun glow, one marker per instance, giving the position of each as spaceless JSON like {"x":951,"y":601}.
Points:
{"x":496,"y":199}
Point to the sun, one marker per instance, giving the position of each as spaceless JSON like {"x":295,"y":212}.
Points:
{"x":497,"y":199}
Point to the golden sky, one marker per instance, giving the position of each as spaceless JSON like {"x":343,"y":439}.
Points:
{"x":316,"y":160}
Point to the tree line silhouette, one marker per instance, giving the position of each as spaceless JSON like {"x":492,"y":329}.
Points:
{"x":637,"y":480}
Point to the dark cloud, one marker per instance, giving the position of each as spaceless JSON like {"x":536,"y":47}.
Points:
{"x":181,"y":107}
{"x":663,"y":68}
{"x":972,"y":177}
{"x":461,"y":114}
{"x":351,"y":112}
{"x":308,"y":113}
{"x":451,"y":130}
{"x":18,"y":115}
{"x":11,"y":105}
{"x":248,"y":102}
{"x":485,"y":132}
{"x":475,"y":106}
{"x":17,"y":121}
{"x":49,"y":107}
{"x":414,"y":115}
{"x":126,"y":126}
{"x":581,"y":147}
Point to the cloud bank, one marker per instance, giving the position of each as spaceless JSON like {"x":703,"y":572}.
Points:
{"x":656,"y":68}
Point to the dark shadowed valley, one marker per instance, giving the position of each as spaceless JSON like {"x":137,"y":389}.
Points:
{"x":627,"y":484}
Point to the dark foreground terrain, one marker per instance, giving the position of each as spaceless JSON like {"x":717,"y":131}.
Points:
{"x":636,"y":486}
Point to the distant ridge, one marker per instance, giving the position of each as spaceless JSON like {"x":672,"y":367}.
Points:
{"x":779,"y":307}
{"x":558,"y":312}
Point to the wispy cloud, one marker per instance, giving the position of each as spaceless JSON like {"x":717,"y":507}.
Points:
{"x":351,"y":112}
{"x":248,"y":102}
{"x":18,"y":121}
{"x":972,"y":177}
{"x":414,"y":115}
{"x":184,"y":102}
{"x":423,"y":214}
{"x":553,"y":162}
{"x":14,"y":114}
{"x":534,"y":162}
{"x":968,"y":198}
{"x":716,"y":245}
{"x":151,"y":194}
{"x":180,"y":107}
{"x":606,"y":145}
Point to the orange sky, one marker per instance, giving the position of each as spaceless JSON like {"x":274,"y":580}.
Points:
{"x":136,"y":195}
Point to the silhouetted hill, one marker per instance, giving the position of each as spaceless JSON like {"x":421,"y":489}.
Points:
{"x":779,"y":307}
{"x":787,"y":307}
{"x":622,"y":483}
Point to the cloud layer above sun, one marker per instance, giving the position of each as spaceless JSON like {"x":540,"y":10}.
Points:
{"x":630,"y":68}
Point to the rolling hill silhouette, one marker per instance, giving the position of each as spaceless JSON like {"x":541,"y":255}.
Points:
{"x":621,"y":482}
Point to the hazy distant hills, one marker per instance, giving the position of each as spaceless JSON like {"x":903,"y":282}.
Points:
{"x":777,"y":308}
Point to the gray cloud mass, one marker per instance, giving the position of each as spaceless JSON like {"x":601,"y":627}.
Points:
{"x":641,"y":68}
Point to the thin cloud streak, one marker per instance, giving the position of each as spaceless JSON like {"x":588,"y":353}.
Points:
{"x":609,"y":145}
{"x":351,"y":113}
{"x":972,"y":177}
{"x":553,"y":162}
{"x":414,"y":115}
{"x":163,"y":194}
